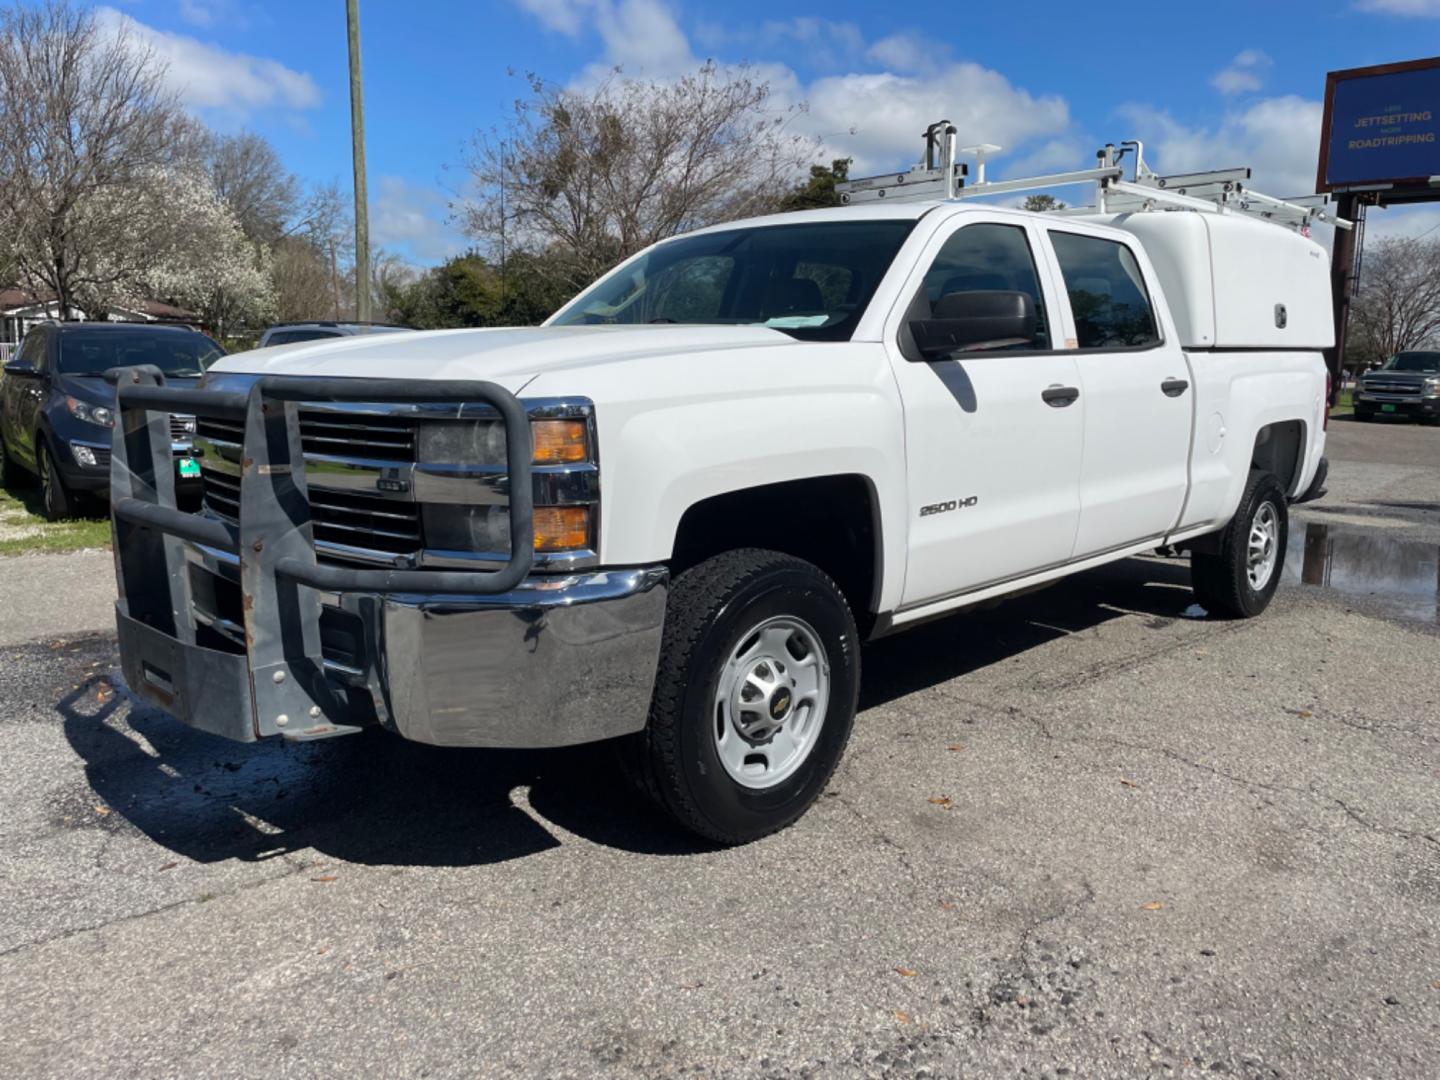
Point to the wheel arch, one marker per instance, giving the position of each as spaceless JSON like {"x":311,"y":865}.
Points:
{"x":833,"y":521}
{"x":1280,"y":448}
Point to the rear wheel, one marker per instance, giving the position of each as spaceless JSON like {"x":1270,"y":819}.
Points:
{"x":57,"y":500}
{"x":1239,"y":580}
{"x":754,"y":697}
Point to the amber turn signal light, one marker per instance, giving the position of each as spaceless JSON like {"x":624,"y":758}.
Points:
{"x":562,"y":528}
{"x":559,"y":442}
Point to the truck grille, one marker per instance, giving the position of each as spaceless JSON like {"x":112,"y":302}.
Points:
{"x":1392,"y":386}
{"x":372,"y":438}
{"x":365,"y":525}
{"x":370,"y":522}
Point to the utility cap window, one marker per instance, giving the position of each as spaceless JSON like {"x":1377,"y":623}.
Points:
{"x":981,"y":294}
{"x":1107,"y":293}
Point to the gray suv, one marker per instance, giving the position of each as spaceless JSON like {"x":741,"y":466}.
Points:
{"x":290,"y":333}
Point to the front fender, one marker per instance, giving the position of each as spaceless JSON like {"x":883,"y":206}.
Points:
{"x":705,"y":426}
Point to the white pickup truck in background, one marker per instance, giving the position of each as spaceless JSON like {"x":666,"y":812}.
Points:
{"x":754,"y":447}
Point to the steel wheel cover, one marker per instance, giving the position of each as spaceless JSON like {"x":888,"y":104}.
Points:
{"x":770,"y":703}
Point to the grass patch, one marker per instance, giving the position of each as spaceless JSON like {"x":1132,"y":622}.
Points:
{"x":24,"y":530}
{"x":1344,"y":404}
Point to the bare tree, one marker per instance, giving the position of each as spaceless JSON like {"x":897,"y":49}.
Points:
{"x":85,"y":121}
{"x":593,"y":175}
{"x":304,"y":288}
{"x":1398,"y":303}
{"x":248,"y":175}
{"x":325,"y":224}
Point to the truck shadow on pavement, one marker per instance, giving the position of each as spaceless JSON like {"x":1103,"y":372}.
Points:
{"x":377,"y":799}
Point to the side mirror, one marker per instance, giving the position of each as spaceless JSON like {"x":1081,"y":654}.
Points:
{"x":969,"y":321}
{"x":18,"y":367}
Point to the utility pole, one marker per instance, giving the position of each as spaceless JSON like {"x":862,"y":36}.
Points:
{"x":357,"y":141}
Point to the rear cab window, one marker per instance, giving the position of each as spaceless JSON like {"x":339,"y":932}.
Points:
{"x":1108,"y":297}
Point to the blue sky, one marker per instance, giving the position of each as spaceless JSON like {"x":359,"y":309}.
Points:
{"x":1212,"y":86}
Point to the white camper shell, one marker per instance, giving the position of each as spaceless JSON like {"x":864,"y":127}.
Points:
{"x":1236,"y":282}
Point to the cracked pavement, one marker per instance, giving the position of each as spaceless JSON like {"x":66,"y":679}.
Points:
{"x":1082,"y":834}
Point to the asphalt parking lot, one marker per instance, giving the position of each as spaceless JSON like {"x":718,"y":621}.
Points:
{"x":1087,"y":833}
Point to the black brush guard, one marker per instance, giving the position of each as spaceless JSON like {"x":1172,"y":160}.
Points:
{"x":278,"y":685}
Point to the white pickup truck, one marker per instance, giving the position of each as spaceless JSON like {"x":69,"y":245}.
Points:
{"x":736,"y":457}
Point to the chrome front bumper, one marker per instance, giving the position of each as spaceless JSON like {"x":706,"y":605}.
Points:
{"x":239,"y":628}
{"x":557,"y":661}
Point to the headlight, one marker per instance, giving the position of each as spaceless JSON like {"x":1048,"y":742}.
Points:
{"x":90,"y":414}
{"x":1432,"y":387}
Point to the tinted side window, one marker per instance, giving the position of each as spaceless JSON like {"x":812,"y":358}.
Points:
{"x":32,"y":351}
{"x":983,"y":258}
{"x":1107,"y":292}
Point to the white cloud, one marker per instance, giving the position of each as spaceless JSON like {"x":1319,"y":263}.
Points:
{"x":1425,"y":9}
{"x":885,"y":113}
{"x":413,"y":220}
{"x":196,"y":13}
{"x":1244,"y":75}
{"x":826,"y":43}
{"x":208,"y":77}
{"x":563,"y":16}
{"x":1401,"y":221}
{"x":1279,"y":138}
{"x":873,"y":116}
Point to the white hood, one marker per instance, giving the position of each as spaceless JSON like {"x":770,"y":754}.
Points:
{"x":510,"y":357}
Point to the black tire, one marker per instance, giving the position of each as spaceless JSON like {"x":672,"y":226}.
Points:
{"x":1364,"y":416}
{"x":56,"y":500}
{"x":675,"y":760}
{"x":1222,"y":581}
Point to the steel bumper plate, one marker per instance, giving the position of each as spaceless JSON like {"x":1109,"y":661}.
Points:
{"x":205,"y":688}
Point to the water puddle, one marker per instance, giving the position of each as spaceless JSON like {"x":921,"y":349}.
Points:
{"x":1401,"y":576}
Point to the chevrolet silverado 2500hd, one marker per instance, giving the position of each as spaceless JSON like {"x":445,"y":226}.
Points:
{"x":669,"y":516}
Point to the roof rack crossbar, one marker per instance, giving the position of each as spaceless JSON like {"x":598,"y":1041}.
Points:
{"x":1216,"y":191}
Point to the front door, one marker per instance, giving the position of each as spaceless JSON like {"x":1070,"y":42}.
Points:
{"x":1138,"y":397}
{"x":993,"y":433}
{"x":24,"y":397}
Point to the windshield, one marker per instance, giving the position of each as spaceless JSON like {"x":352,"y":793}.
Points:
{"x":176,"y":353}
{"x":811,"y":281}
{"x":1426,"y":362}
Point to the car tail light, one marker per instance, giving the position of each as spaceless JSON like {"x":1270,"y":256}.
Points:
{"x":1329,"y":385}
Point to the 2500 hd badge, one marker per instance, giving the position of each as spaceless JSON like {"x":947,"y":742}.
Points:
{"x":946,"y":507}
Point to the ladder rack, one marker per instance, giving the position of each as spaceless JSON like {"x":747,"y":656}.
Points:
{"x":939,"y":176}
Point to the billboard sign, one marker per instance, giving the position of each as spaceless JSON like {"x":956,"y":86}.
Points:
{"x":1381,"y":127}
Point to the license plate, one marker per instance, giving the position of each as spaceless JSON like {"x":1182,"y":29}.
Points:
{"x":189,"y":468}
{"x":1383,"y":408}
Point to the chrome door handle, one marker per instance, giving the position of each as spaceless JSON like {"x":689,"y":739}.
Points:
{"x":1174,"y":387}
{"x":1057,"y":396}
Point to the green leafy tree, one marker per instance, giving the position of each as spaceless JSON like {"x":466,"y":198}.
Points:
{"x":818,"y":190}
{"x":1041,"y":204}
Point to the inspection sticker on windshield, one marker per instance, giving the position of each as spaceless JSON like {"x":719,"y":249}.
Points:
{"x":189,"y":468}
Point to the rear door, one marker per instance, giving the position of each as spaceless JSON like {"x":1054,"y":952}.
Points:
{"x":1136,"y":384}
{"x":994,"y":436}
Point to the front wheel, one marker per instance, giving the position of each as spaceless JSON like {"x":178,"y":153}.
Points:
{"x":1239,"y":580}
{"x":57,"y":501}
{"x":754,"y":697}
